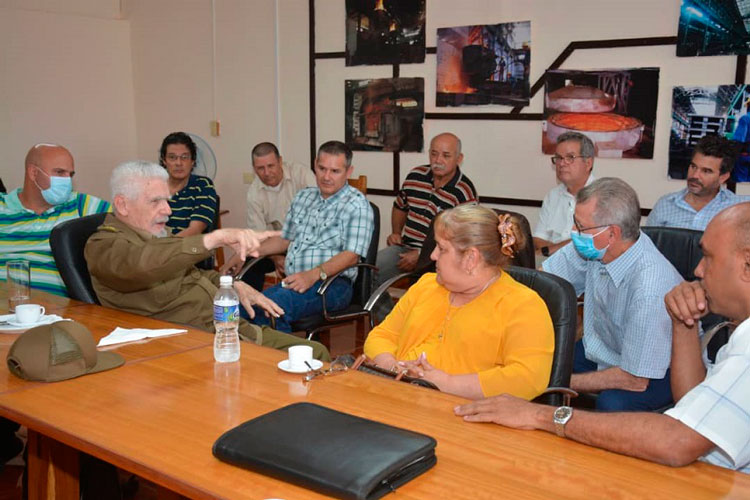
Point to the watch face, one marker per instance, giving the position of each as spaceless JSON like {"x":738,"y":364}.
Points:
{"x":563,"y":413}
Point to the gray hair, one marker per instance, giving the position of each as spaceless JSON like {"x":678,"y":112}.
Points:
{"x":587,"y":147}
{"x":123,"y":176}
{"x":616,"y":204}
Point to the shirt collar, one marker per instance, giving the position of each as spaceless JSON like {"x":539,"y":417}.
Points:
{"x":619,"y":268}
{"x":335,"y":196}
{"x":451,"y":183}
{"x":14,"y":203}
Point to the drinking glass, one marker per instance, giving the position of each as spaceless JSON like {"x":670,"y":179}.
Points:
{"x":19,"y":283}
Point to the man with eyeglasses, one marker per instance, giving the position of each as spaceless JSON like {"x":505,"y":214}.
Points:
{"x":705,"y":196}
{"x":28,"y":214}
{"x":625,"y":351}
{"x":710,"y":420}
{"x":573,"y":161}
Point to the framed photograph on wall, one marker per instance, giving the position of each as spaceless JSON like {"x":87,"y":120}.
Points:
{"x":698,"y":111}
{"x":385,"y":114}
{"x":713,"y":28}
{"x":385,"y":31}
{"x":484,"y":64}
{"x":615,"y":108}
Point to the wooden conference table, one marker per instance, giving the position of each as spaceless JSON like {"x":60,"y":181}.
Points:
{"x":159,"y":414}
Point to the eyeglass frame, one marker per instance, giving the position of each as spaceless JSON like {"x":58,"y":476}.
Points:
{"x":173,"y":157}
{"x":580,"y":229}
{"x":567,"y":159}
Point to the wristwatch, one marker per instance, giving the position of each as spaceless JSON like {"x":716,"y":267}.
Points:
{"x":545,"y":251}
{"x":323,"y":275}
{"x":561,"y":417}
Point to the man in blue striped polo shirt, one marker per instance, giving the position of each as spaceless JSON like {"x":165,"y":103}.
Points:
{"x":28,"y":214}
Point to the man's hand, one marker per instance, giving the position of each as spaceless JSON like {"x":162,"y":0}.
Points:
{"x":249,"y":297}
{"x":302,"y":281}
{"x":407,"y":261}
{"x":244,"y":242}
{"x":278,"y":262}
{"x":687,"y":303}
{"x":232,"y":266}
{"x":504,"y":409}
{"x":394,"y":239}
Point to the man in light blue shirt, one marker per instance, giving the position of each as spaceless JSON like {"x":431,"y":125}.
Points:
{"x":704,"y":196}
{"x":625,"y":351}
{"x":327,"y":229}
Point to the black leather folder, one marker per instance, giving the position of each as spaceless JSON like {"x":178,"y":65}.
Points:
{"x":328,"y":451}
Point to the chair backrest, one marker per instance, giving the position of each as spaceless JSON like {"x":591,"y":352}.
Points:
{"x":560,"y":298}
{"x":525,"y":257}
{"x":67,"y":241}
{"x":363,"y":284}
{"x":359,"y":183}
{"x":680,"y":246}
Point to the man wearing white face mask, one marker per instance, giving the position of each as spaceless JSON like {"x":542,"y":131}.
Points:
{"x":627,"y":334}
{"x":28,"y":214}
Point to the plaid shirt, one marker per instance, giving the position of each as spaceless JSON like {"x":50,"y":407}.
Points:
{"x":719,"y":407}
{"x":673,"y":211}
{"x":625,"y":322}
{"x":319,"y":229}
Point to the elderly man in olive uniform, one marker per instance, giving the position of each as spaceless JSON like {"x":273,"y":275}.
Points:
{"x":136,"y":267}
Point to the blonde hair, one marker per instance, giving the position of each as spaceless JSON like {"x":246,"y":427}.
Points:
{"x":467,"y":226}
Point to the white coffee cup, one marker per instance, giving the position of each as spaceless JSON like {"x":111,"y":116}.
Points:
{"x":28,"y":313}
{"x":298,"y":354}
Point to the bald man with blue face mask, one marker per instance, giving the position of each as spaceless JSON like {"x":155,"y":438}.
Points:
{"x":627,"y":334}
{"x":28,"y":214}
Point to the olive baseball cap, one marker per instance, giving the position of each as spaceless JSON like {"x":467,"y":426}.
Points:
{"x":58,"y":351}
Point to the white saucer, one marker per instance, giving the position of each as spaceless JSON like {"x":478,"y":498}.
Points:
{"x":284,"y":366}
{"x":13,"y":322}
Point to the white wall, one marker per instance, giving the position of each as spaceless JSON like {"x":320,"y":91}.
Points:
{"x":172,"y":77}
{"x":504,"y":158}
{"x":66,"y":79}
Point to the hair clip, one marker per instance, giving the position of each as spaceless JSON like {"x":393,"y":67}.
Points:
{"x":505,"y":228}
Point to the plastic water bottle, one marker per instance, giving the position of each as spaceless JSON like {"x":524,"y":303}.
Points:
{"x":226,"y":322}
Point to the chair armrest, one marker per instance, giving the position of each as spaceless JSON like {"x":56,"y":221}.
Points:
{"x":567,"y":393}
{"x":246,"y":267}
{"x":383,"y":288}
{"x":327,"y":283}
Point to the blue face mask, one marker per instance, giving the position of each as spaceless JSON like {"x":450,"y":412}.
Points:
{"x":584,"y":244}
{"x":59,"y":189}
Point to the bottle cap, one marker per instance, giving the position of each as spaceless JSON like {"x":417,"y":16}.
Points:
{"x":225,"y":280}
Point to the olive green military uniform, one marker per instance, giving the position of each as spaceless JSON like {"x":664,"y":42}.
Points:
{"x":137,"y":272}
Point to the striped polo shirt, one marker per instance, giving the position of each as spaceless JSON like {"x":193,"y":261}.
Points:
{"x":25,"y":235}
{"x":423,"y":201}
{"x":196,"y":201}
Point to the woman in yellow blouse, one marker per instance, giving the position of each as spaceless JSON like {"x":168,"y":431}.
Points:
{"x":470,"y":328}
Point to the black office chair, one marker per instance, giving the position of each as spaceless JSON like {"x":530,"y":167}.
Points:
{"x":67,"y":241}
{"x":209,"y":262}
{"x":560,"y":298}
{"x":682,"y":248}
{"x":319,"y":325}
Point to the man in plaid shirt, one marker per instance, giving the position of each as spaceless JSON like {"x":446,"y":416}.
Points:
{"x":711,"y":420}
{"x":327,"y":229}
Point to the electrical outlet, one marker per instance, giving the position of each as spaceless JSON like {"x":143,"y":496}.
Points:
{"x":215,"y":128}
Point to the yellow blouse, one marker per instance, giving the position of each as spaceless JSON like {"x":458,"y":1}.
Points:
{"x":505,"y":335}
